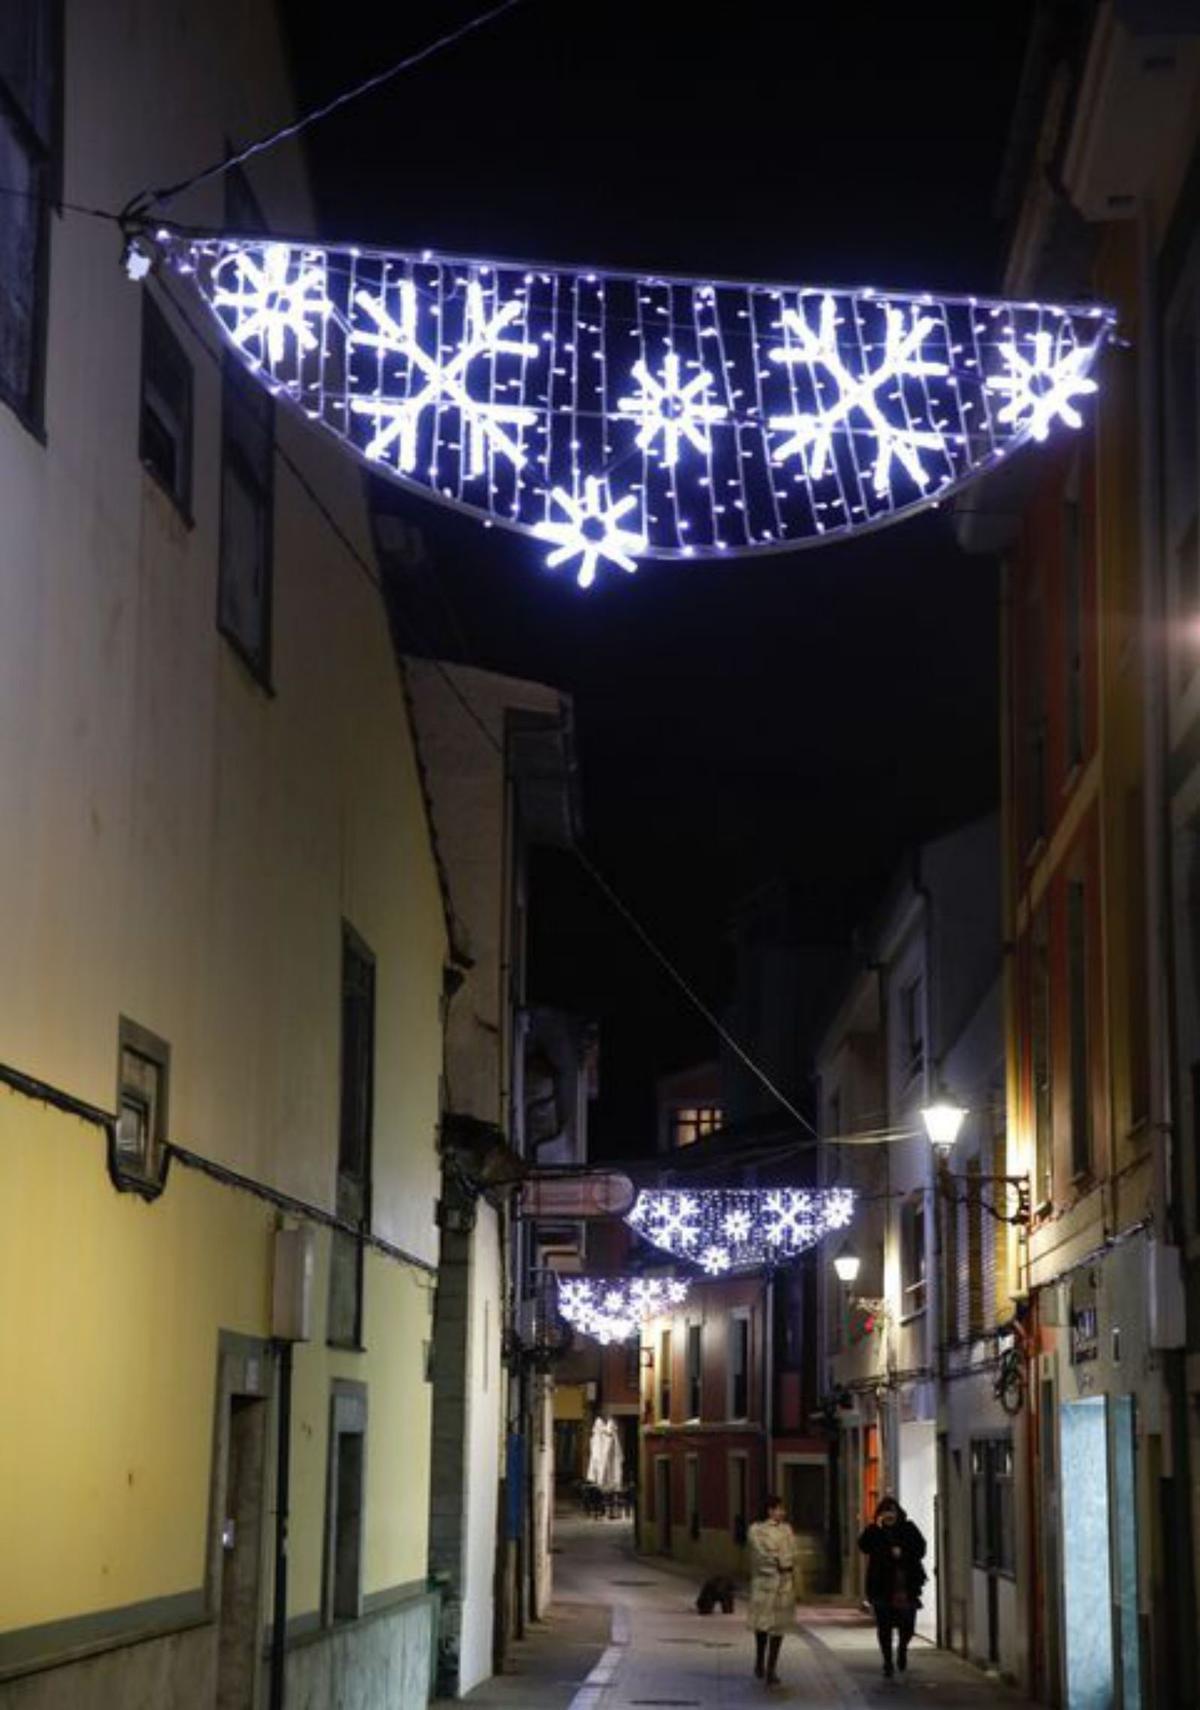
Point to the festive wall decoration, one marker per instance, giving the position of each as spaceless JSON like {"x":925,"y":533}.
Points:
{"x":735,"y":1229}
{"x":612,"y":1308}
{"x":622,"y":417}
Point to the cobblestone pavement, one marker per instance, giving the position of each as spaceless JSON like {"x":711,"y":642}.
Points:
{"x":662,"y":1655}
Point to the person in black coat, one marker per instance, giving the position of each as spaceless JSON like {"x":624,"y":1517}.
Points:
{"x":895,"y":1551}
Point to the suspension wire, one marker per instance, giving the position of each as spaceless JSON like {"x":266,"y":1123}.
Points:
{"x":589,"y":866}
{"x":145,"y":200}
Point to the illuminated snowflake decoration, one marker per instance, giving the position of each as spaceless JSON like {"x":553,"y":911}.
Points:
{"x":611,"y":1309}
{"x":591,"y":532}
{"x":272,"y":295}
{"x":674,"y":410}
{"x":1043,"y":386}
{"x":622,"y":417}
{"x":398,"y":421}
{"x":737,"y":1225}
{"x":812,"y":432}
{"x":735,"y":1229}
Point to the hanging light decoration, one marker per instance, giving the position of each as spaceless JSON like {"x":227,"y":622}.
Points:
{"x":620,"y":417}
{"x":736,"y":1229}
{"x":612,"y":1308}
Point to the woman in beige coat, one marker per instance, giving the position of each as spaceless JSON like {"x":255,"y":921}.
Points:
{"x":772,"y":1588}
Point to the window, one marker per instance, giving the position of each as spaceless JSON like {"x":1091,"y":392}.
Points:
{"x":344,"y":1493}
{"x":29,"y":155}
{"x":912,"y":1029}
{"x":694,"y":1334}
{"x":692,"y":1122}
{"x":138,"y":1153}
{"x":165,"y":437}
{"x":1072,"y":523}
{"x":993,"y":1534}
{"x":739,"y":1497}
{"x":1081,"y":1125}
{"x":247,"y":483}
{"x":691,"y":1494}
{"x":354,"y":1140}
{"x":1182,"y":447}
{"x":664,"y":1376}
{"x":912,"y":1255}
{"x":739,"y":1364}
{"x":1043,"y":1185}
{"x":1034,"y":702}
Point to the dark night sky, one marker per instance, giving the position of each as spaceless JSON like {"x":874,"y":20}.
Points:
{"x":808,"y":715}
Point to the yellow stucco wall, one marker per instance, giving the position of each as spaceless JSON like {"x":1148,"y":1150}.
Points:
{"x":108,"y":1346}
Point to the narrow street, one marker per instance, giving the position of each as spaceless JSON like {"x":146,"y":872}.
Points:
{"x":661,"y":1655}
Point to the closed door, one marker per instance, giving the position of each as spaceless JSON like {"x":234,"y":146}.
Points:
{"x":663,"y":1494}
{"x":240,"y":1555}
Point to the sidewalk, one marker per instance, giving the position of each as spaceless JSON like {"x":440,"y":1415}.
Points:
{"x":661,"y":1653}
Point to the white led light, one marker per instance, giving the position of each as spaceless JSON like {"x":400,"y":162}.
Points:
{"x":622,"y":417}
{"x":612,"y":1308}
{"x":739,"y":1228}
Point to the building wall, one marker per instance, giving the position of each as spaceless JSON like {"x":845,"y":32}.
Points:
{"x":180,"y":845}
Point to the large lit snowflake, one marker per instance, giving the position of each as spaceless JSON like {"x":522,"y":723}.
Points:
{"x":674,"y":410}
{"x":812,"y":433}
{"x":590,"y":531}
{"x":273,"y":293}
{"x":788,"y":1218}
{"x":1042,"y":386}
{"x":398,"y":420}
{"x":672,"y":1220}
{"x":715,"y":1260}
{"x":736,"y":1229}
{"x":612,"y":1308}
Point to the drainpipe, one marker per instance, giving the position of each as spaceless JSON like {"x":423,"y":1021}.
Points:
{"x":283,"y":1473}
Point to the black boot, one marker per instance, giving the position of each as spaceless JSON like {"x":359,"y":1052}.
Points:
{"x":760,"y":1655}
{"x":773,"y":1659}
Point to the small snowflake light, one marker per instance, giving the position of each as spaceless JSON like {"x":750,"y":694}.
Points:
{"x":620,"y":417}
{"x":591,"y":532}
{"x":672,"y":409}
{"x":739,"y":1228}
{"x":1042,"y":385}
{"x":612,"y":1309}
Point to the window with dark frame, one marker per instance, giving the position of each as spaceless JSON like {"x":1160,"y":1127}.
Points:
{"x":664,"y":1377}
{"x":30,"y":152}
{"x":1040,"y":1064}
{"x":1034,"y":697}
{"x":694,"y":1335}
{"x":912,"y":1255}
{"x":1081,"y":1117}
{"x":165,"y":430}
{"x":1072,"y":523}
{"x":1181,"y":377}
{"x":691,"y":1494}
{"x":739,"y":1365}
{"x":912,"y":1028}
{"x":690,"y":1123}
{"x":354,"y":1140}
{"x":993,"y":1529}
{"x":245,"y":573}
{"x":739,"y":1497}
{"x":140,"y":1132}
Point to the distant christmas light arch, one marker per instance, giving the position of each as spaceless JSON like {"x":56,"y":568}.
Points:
{"x":612,"y":1308}
{"x":738,"y":1229}
{"x":622,"y":417}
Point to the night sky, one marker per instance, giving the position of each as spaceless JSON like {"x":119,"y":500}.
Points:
{"x":809,"y":715}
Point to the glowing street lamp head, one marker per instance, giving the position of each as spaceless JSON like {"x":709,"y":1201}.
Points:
{"x":847,"y":1265}
{"x":942,"y":1120}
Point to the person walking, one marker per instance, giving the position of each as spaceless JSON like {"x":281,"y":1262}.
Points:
{"x":894,"y":1548}
{"x":772,"y":1609}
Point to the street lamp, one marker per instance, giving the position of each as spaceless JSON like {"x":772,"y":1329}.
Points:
{"x":942,"y":1120}
{"x":847,"y":1265}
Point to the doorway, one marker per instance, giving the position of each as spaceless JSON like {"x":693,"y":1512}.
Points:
{"x":242,"y":1443}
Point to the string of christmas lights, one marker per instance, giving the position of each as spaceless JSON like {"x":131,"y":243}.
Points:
{"x":612,"y":1308}
{"x":737,"y":1229}
{"x":621,"y":417}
